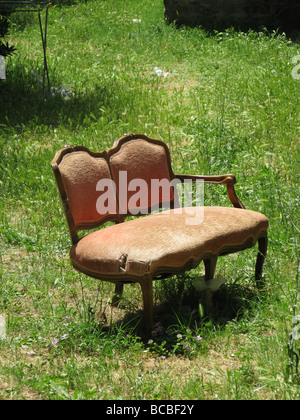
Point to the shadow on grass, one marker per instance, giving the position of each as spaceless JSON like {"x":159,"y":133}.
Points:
{"x":179,"y":327}
{"x":23,"y":102}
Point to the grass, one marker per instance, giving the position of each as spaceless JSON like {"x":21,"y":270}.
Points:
{"x":229,"y":105}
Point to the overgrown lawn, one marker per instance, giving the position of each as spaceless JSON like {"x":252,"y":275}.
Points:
{"x":227,"y":104}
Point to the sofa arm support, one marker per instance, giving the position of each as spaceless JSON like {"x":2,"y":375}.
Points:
{"x":229,"y":180}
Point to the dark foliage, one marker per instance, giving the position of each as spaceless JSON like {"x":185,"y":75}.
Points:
{"x":5,"y":49}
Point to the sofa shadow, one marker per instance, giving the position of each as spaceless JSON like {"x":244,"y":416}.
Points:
{"x":232,"y":303}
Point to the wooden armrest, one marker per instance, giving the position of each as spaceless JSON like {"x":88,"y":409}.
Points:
{"x":211,"y":179}
{"x":227,"y":179}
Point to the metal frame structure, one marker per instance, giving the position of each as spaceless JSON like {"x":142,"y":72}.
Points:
{"x":38,"y":7}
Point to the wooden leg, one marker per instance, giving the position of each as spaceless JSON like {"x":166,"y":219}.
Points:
{"x":118,"y":294}
{"x":147,"y":291}
{"x":206,"y":294}
{"x":262,"y":252}
{"x":210,"y":267}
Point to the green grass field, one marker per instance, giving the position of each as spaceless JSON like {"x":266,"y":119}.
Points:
{"x":230,"y":104}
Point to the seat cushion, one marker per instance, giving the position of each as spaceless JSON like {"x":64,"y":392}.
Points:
{"x":166,"y":241}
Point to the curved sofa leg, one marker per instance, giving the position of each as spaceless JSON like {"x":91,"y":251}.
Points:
{"x":210,"y":267}
{"x":206,"y":294}
{"x":147,"y":291}
{"x":262,"y":252}
{"x":118,"y":294}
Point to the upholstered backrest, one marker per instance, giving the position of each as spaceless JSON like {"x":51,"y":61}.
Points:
{"x":141,"y":170}
{"x":133,"y":177}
